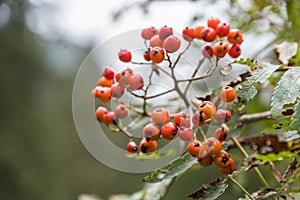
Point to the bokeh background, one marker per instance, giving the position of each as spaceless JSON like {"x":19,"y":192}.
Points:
{"x":42,"y":44}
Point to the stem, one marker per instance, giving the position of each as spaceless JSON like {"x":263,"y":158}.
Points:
{"x":179,"y":56}
{"x":240,"y":186}
{"x":259,"y":174}
{"x":247,"y":118}
{"x":146,"y":91}
{"x":202,"y":133}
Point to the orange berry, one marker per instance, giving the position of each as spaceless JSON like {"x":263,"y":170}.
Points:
{"x":208,"y":108}
{"x":227,"y":94}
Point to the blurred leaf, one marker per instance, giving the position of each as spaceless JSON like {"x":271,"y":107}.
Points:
{"x":286,"y":50}
{"x":287,"y":90}
{"x":226,"y":69}
{"x":153,"y":156}
{"x":175,"y":168}
{"x":88,"y":197}
{"x":262,"y":194}
{"x":296,"y":122}
{"x":290,"y":136}
{"x":211,"y":190}
{"x":248,"y":91}
{"x":249,"y":62}
{"x":275,"y":157}
{"x":150,"y":191}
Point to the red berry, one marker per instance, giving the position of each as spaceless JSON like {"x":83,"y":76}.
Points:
{"x":100,"y":113}
{"x":198,"y":30}
{"x":229,"y":169}
{"x":235,"y":50}
{"x":223,"y":29}
{"x":108,"y":117}
{"x":148,"y":33}
{"x":214,"y":146}
{"x":208,"y":108}
{"x":222,"y":159}
{"x":221,"y":134}
{"x":199,"y":118}
{"x":160,"y":116}
{"x":194,"y":148}
{"x":227,"y":94}
{"x":117,"y":90}
{"x":135,"y":82}
{"x":155,"y":41}
{"x":132,"y":147}
{"x":169,"y":131}
{"x":147,"y":55}
{"x":147,"y":146}
{"x":235,"y":36}
{"x":213,"y":22}
{"x":206,"y":160}
{"x":208,"y":34}
{"x":121,"y":111}
{"x":108,"y":73}
{"x":182,"y":119}
{"x":171,"y":44}
{"x":164,"y":32}
{"x":151,"y":132}
{"x":104,"y":82}
{"x":188,"y":34}
{"x":124,"y":55}
{"x":103,"y":93}
{"x":157,"y":54}
{"x":220,"y":49}
{"x":185,"y":134}
{"x":207,"y":51}
{"x":122,"y":77}
{"x":222,"y":116}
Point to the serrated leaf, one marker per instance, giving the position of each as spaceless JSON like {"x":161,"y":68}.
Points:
{"x":296,"y":122}
{"x":150,"y":191}
{"x":248,"y":91}
{"x":211,"y":190}
{"x":249,"y":62}
{"x":287,"y":90}
{"x":175,"y":168}
{"x":286,"y":50}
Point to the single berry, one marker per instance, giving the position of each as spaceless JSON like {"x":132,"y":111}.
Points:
{"x":194,"y":148}
{"x":214,"y":146}
{"x":103,"y":93}
{"x":123,"y":76}
{"x":222,"y":116}
{"x":155,"y":41}
{"x":169,"y":131}
{"x":206,"y":160}
{"x":182,"y":119}
{"x":117,"y":90}
{"x":188,"y":34}
{"x":104,"y":82}
{"x":108,"y":73}
{"x":148,"y":33}
{"x":220,"y":49}
{"x":132,"y":147}
{"x":221,"y":134}
{"x":208,"y":108}
{"x":147,"y":55}
{"x":199,"y":118}
{"x":121,"y":111}
{"x":208,"y":34}
{"x":223,"y":29}
{"x":135,"y":82}
{"x":185,"y":134}
{"x":164,"y":32}
{"x":147,"y":146}
{"x":229,"y":169}
{"x":235,"y":50}
{"x":227,"y":94}
{"x":213,"y":22}
{"x":198,"y":30}
{"x":100,"y":113}
{"x":222,"y":159}
{"x":157,"y":54}
{"x":108,"y":117}
{"x":171,"y":44}
{"x":207,"y":51}
{"x":124,"y":55}
{"x":235,"y":36}
{"x":160,"y":116}
{"x":151,"y":132}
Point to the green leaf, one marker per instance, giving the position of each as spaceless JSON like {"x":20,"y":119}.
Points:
{"x":287,"y":90}
{"x":175,"y":168}
{"x":248,"y":91}
{"x":275,"y":157}
{"x":249,"y":62}
{"x":211,"y":190}
{"x":150,"y":191}
{"x":296,"y":122}
{"x":286,"y":50}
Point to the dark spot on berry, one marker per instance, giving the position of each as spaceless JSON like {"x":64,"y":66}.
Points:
{"x":224,"y":159}
{"x":174,"y":132}
{"x":134,"y":148}
{"x":144,"y":149}
{"x":196,"y":144}
{"x":115,"y":121}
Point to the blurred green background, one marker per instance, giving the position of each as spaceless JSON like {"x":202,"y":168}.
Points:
{"x":41,"y":156}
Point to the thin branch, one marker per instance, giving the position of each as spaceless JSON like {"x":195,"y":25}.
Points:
{"x":180,"y":54}
{"x":247,"y":118}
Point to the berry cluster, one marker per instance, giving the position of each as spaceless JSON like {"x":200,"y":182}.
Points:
{"x":109,"y":117}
